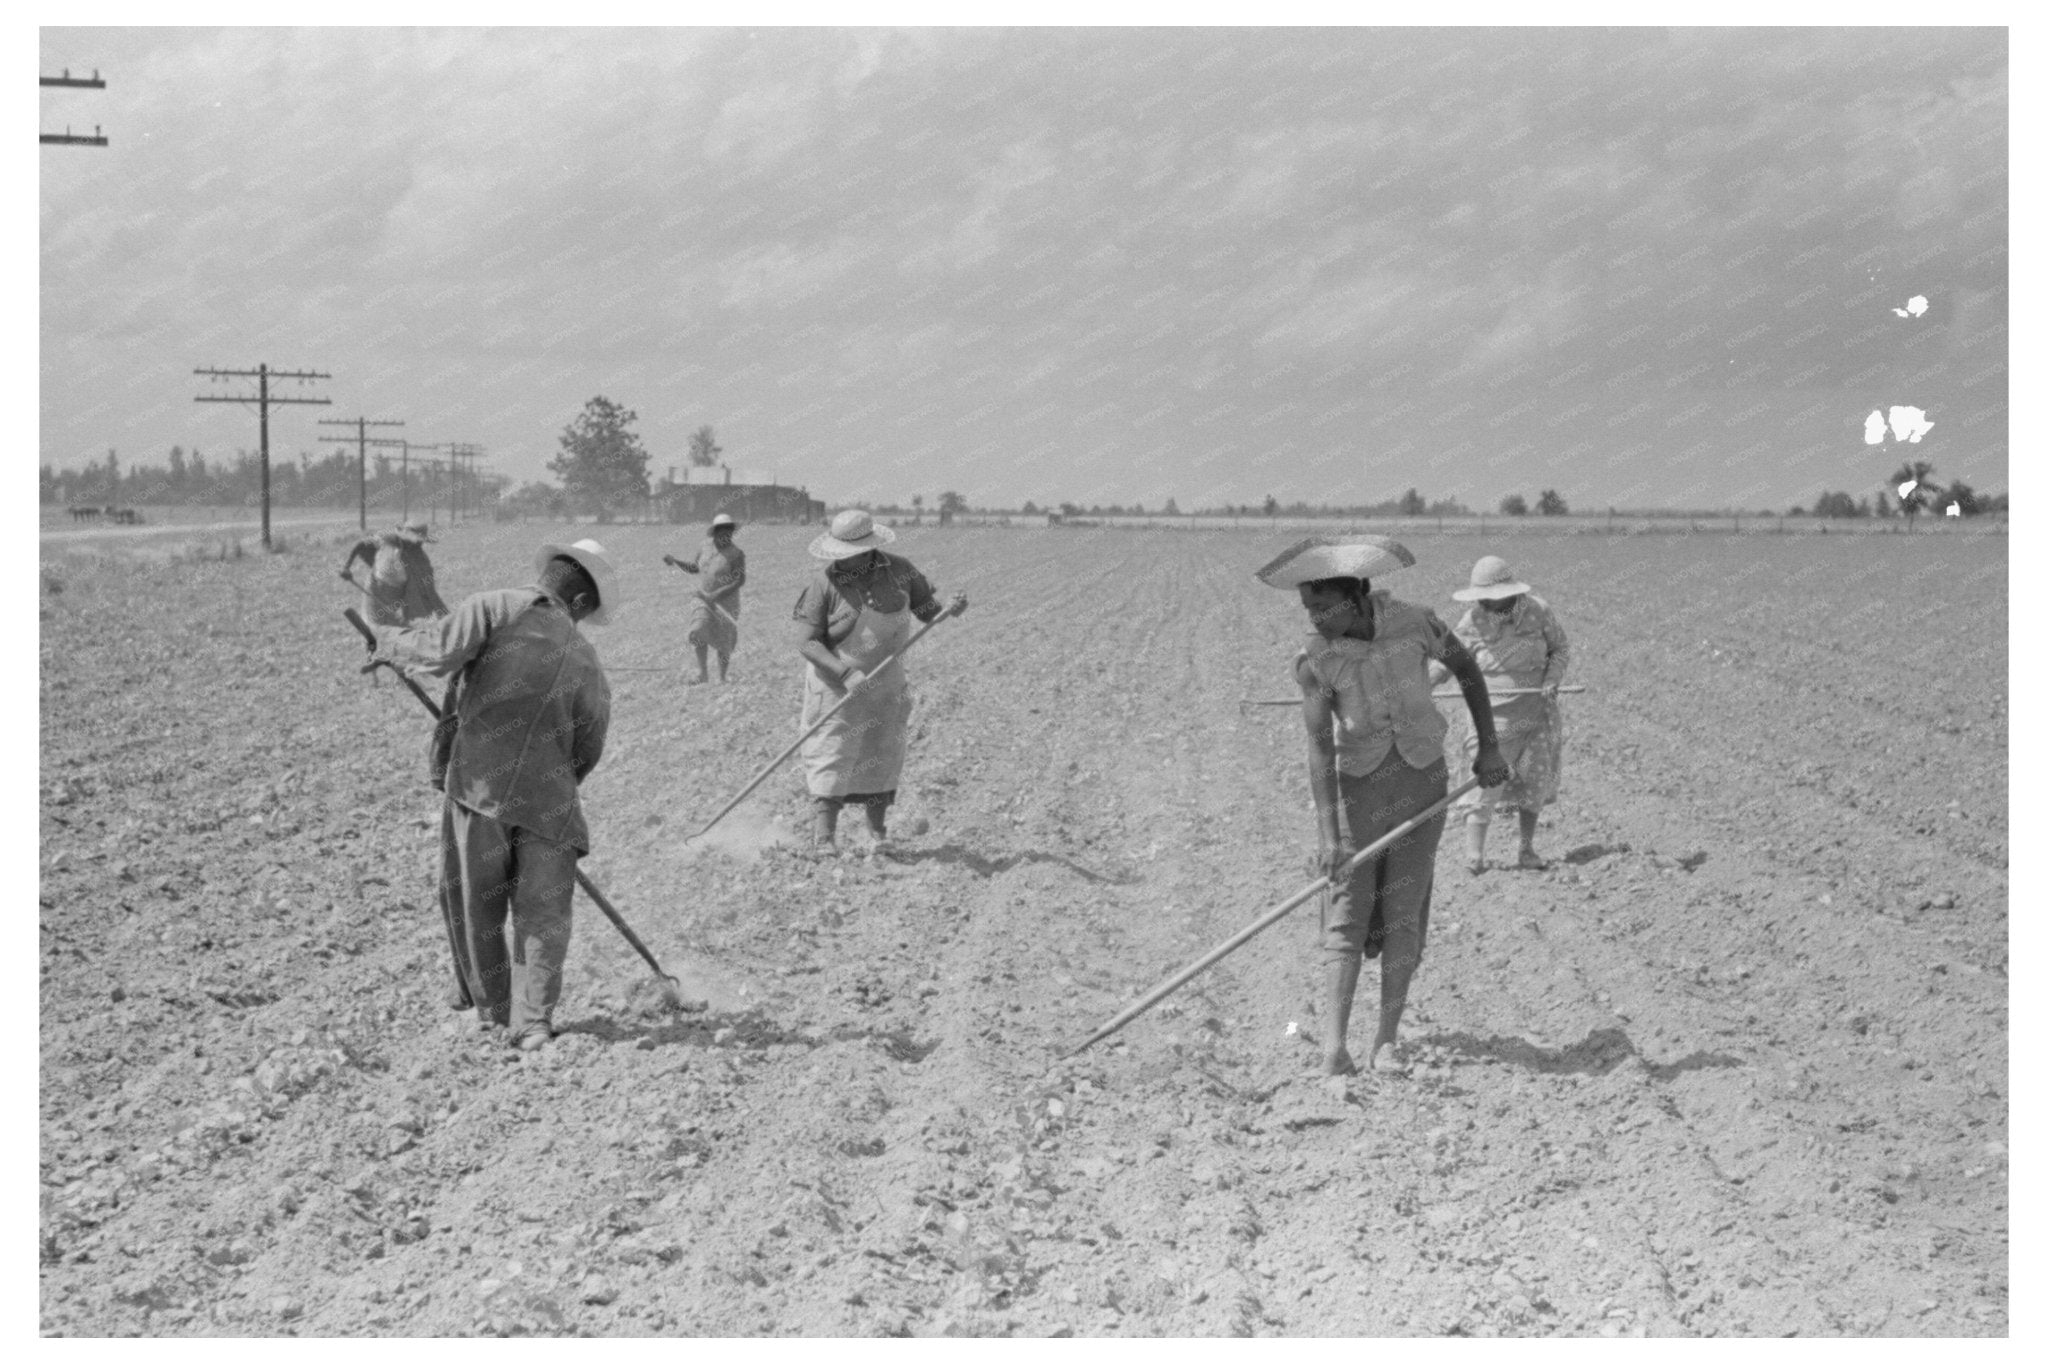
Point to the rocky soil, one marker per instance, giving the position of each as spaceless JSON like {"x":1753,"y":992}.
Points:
{"x":1735,"y":1065}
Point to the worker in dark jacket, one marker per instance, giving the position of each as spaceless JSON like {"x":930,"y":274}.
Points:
{"x":529,"y":706}
{"x":401,"y":587}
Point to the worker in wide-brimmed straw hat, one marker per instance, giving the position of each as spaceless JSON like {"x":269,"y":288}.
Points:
{"x":1376,"y":760}
{"x":1519,"y":646}
{"x":857,"y":610}
{"x":523,"y":723}
{"x":714,"y":625}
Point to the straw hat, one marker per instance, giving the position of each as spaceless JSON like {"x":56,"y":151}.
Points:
{"x":722,"y":520}
{"x":1492,"y":579}
{"x":418,"y":530}
{"x":1324,"y":556}
{"x":590,"y":554}
{"x":852,"y":532}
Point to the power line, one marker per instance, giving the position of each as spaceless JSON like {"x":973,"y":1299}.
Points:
{"x":263,"y":374}
{"x":362,"y":443}
{"x":67,"y":137}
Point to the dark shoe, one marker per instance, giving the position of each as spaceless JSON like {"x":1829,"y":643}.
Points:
{"x":458,"y":997}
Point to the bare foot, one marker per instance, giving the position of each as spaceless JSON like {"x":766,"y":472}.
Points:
{"x":1475,"y":865}
{"x":1529,"y":861}
{"x":1339,"y":1062}
{"x":1388,"y":1060}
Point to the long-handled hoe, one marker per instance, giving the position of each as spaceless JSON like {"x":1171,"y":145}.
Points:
{"x":670,"y":560}
{"x":671,"y":988}
{"x":1272,"y":916}
{"x":783,"y":757}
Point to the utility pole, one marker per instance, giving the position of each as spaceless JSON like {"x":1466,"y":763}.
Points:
{"x":67,"y":137}
{"x":263,"y":374}
{"x":465,"y":455}
{"x":362,"y":443}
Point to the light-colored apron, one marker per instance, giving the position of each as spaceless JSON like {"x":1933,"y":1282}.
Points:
{"x":860,"y":751}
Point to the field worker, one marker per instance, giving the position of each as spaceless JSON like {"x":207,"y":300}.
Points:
{"x":1516,"y":640}
{"x":401,"y":588}
{"x":530,"y":706}
{"x":854,"y":613}
{"x":1376,"y":759}
{"x":715,"y":609}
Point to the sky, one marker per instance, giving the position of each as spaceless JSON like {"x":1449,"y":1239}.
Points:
{"x":1641,"y":267}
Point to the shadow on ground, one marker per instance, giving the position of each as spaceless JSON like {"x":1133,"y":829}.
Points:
{"x":749,"y":1031}
{"x":953,"y":855}
{"x":1599,"y":1052}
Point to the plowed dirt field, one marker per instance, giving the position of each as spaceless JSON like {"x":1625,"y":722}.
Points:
{"x":1735,"y":1065}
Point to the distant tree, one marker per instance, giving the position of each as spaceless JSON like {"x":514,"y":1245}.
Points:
{"x":1514,"y":505}
{"x":1963,"y":497}
{"x":1412,"y":503}
{"x":47,"y":486}
{"x":1172,"y":507}
{"x":917,"y":504}
{"x":950,"y":503}
{"x":1995,"y":505}
{"x":1030,"y":507}
{"x":1883,"y":506}
{"x":1069,"y":509}
{"x":704,"y":448}
{"x":1550,"y":504}
{"x":178,"y":470}
{"x":1272,"y":505}
{"x":602,"y":465}
{"x":1911,"y":486}
{"x":1836,"y":504}
{"x":1798,"y":511}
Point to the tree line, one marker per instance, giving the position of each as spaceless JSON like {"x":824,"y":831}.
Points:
{"x":190,"y":479}
{"x":1912,"y":490}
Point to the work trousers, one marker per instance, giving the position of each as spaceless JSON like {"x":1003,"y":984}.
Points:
{"x":1384,"y":905}
{"x":501,"y":882}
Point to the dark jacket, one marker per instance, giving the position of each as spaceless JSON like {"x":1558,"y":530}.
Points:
{"x":530,"y":702}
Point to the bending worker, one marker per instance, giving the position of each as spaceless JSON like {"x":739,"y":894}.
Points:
{"x":1376,"y":760}
{"x":715,"y":609}
{"x":1516,"y":640}
{"x":530,"y":706}
{"x":401,"y":588}
{"x":853,"y":614}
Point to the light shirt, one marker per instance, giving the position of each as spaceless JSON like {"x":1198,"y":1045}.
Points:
{"x":1379,"y":688}
{"x":1523,"y":646}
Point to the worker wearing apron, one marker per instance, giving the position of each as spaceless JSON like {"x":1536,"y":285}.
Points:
{"x":853,"y":615}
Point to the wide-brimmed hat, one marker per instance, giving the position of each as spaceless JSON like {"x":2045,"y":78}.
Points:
{"x":1492,"y":579}
{"x":419,"y":529}
{"x":852,"y":532}
{"x":722,"y":520}
{"x":1326,"y":556}
{"x":590,"y":554}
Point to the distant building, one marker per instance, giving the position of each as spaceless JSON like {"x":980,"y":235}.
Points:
{"x":687,"y":503}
